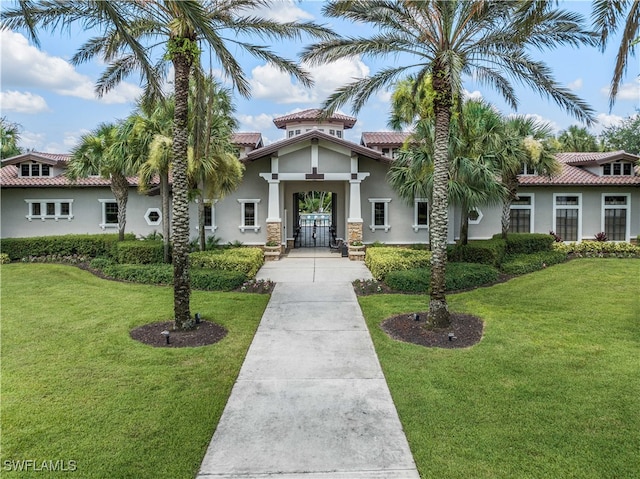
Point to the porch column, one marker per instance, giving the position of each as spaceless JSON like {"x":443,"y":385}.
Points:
{"x":274,"y":222}
{"x":354,"y":222}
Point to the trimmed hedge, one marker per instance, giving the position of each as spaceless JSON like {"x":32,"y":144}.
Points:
{"x":527,"y":263}
{"x":162,"y":274}
{"x":4,"y":258}
{"x":66,"y":245}
{"x":241,"y":260}
{"x":458,"y":276}
{"x":382,"y":260}
{"x":518,"y":243}
{"x":138,"y":252}
{"x":488,"y":252}
{"x":598,"y":249}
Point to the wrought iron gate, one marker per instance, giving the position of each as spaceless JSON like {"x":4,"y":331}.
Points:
{"x":315,"y":230}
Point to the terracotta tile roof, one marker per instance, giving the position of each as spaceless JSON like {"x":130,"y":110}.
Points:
{"x":9,"y":179}
{"x":313,"y":114}
{"x":58,"y":159}
{"x":573,"y":173}
{"x":247,"y":139}
{"x":377,"y":138}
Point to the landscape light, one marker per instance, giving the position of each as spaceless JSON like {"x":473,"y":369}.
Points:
{"x":451,"y":337}
{"x":166,"y":334}
{"x":197,"y":318}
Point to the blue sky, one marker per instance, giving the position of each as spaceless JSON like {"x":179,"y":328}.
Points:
{"x":54,"y":102}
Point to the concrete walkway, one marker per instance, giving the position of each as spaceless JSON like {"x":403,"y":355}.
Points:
{"x":311,"y":401}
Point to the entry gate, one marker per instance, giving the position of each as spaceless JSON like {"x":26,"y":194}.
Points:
{"x":315,"y":230}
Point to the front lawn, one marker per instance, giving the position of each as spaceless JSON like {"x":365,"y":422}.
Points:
{"x":76,"y":387}
{"x":552,"y":390}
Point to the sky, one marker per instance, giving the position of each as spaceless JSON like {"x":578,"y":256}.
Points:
{"x":54,"y":102}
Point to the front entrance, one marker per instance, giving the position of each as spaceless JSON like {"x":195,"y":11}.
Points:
{"x":315,"y":219}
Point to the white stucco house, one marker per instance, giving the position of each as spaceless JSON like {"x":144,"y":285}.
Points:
{"x":594,"y":192}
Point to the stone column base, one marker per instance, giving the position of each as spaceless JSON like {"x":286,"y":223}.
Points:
{"x":274,"y":231}
{"x":354,"y":231}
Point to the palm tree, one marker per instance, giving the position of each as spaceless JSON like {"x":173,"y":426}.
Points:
{"x":528,"y":145}
{"x":214,"y":167}
{"x":9,"y":138}
{"x":101,"y":152}
{"x":446,"y":39}
{"x":152,"y":136}
{"x":577,"y":139}
{"x":129,"y":33}
{"x":607,"y":16}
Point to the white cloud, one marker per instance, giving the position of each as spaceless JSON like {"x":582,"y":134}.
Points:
{"x":22,"y":102}
{"x":384,"y":96}
{"x":603,"y":121}
{"x":25,"y":66}
{"x":575,"y":85}
{"x":259,"y":122}
{"x":626,"y":91}
{"x":32,"y":141}
{"x":543,"y":121}
{"x":267,"y":82}
{"x":282,"y":11}
{"x":472,"y":95}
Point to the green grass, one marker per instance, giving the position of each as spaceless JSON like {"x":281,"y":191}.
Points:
{"x":551,"y":391}
{"x":76,"y":387}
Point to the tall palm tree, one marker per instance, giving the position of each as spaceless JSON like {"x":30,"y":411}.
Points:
{"x":607,"y":16}
{"x":101,"y":152}
{"x":487,"y":40}
{"x":214,"y":168}
{"x":9,"y":138}
{"x":577,"y":139}
{"x":130,"y":33}
{"x":528,"y":144}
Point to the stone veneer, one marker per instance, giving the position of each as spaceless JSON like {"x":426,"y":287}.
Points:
{"x":273,"y":234}
{"x":354,"y":232}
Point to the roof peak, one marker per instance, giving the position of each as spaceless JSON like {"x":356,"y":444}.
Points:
{"x":315,"y":115}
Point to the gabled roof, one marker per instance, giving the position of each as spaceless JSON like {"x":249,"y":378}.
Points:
{"x":314,"y":114}
{"x":54,"y":159}
{"x":9,"y":179}
{"x":253,"y":140}
{"x":317,"y":134}
{"x":378,"y":138}
{"x":573,"y":173}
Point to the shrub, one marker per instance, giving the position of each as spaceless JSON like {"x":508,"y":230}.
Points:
{"x":138,"y":252}
{"x":88,"y":245}
{"x":602,"y":236}
{"x":4,"y":258}
{"x":518,"y":243}
{"x":242,"y":260}
{"x":215,"y":280}
{"x":527,"y":263}
{"x":458,"y":276}
{"x":488,"y":252}
{"x":100,"y":263}
{"x":597,"y":249}
{"x":381,"y":260}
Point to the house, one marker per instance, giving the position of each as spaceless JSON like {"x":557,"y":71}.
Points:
{"x":594,"y":192}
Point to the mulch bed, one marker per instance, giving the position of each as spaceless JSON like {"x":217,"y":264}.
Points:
{"x":205,"y":333}
{"x":466,"y":329}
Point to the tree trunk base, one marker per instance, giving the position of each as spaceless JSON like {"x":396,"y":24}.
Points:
{"x":438,"y":316}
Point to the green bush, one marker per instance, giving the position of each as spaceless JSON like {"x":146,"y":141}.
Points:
{"x":100,"y":262}
{"x":66,"y":245}
{"x":4,"y":258}
{"x":382,"y":260}
{"x":138,"y":252}
{"x":598,"y":249}
{"x":458,"y":276}
{"x":214,"y":280}
{"x":242,"y":260}
{"x":488,"y":252}
{"x":527,"y":263}
{"x":518,"y":243}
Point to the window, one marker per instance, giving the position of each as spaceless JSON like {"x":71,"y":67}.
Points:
{"x":332,"y":132}
{"x":291,"y":133}
{"x":475,"y":216}
{"x":210,"y":215}
{"x":527,"y":170}
{"x":420,"y":214}
{"x":615,"y":216}
{"x":249,"y":215}
{"x":379,"y":214}
{"x":567,"y":216}
{"x":49,"y":209}
{"x":385,"y":151}
{"x":109,"y":214}
{"x":34,"y":169}
{"x":339,"y":133}
{"x":521,"y":214}
{"x":617,"y":169}
{"x":153,"y":216}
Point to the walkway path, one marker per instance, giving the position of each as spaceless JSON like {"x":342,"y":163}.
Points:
{"x":311,"y":401}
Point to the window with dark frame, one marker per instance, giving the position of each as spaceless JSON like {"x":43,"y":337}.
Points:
{"x":378,"y":214}
{"x":208,"y":217}
{"x":35,"y":169}
{"x":65,"y":209}
{"x":249,"y":214}
{"x":35,"y":209}
{"x":111,"y":212}
{"x":423,"y":213}
{"x":51,"y":209}
{"x":25,"y":169}
{"x":615,"y":219}
{"x":45,"y":170}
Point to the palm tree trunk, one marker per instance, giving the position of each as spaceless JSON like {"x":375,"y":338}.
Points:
{"x":120,"y":189}
{"x":438,"y":315}
{"x":512,"y":189}
{"x":464,"y":224}
{"x":180,"y":219}
{"x":201,"y":231}
{"x":166,"y":230}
